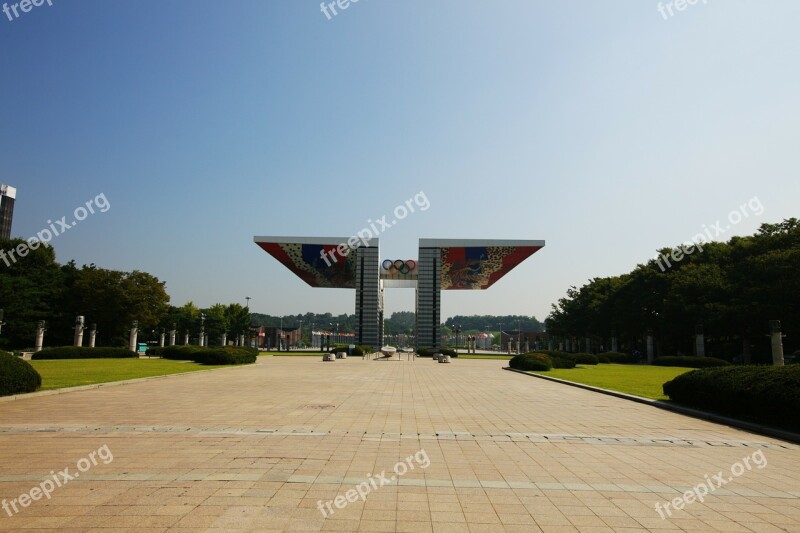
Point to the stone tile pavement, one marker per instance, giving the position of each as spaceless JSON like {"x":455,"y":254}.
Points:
{"x":263,"y":447}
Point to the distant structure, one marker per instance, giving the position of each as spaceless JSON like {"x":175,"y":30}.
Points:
{"x":8,"y":196}
{"x":442,"y":264}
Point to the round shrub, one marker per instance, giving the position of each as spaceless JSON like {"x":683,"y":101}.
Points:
{"x":690,"y":361}
{"x":766,"y":394}
{"x":362,"y":349}
{"x":602,"y":359}
{"x":17,"y":376}
{"x":531,"y":361}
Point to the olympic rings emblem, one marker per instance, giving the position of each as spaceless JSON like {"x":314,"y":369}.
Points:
{"x":398,"y":266}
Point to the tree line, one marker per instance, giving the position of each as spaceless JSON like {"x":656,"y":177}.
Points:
{"x":36,"y":287}
{"x":732,"y":290}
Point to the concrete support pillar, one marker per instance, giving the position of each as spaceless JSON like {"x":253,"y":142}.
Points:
{"x":614,"y":344}
{"x":527,"y":345}
{"x":161,"y":338}
{"x":699,"y":341}
{"x":224,"y":339}
{"x":186,"y":339}
{"x":651,"y":350}
{"x":205,"y":340}
{"x":78,"y":339}
{"x":201,"y":338}
{"x":39,"y":336}
{"x":588,"y":345}
{"x":133,"y":344}
{"x":568,"y":345}
{"x":241,"y":340}
{"x":92,"y":335}
{"x":172,"y":333}
{"x":777,"y":342}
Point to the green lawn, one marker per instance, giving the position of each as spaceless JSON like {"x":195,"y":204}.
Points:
{"x":640,"y":380}
{"x":57,"y":374}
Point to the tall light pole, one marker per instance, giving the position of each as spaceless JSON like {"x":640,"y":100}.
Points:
{"x":248,"y":302}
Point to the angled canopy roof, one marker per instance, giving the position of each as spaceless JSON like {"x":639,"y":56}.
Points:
{"x":475,"y":264}
{"x":466,"y":264}
{"x":304,"y":257}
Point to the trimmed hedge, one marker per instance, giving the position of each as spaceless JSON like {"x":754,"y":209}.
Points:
{"x":531,"y":361}
{"x":17,"y":376}
{"x":562,"y":362}
{"x":79,"y":352}
{"x":428,"y":351}
{"x":577,"y":358}
{"x":690,"y":361}
{"x":602,"y":359}
{"x":765,"y":394}
{"x":220,"y":355}
{"x":621,"y":358}
{"x":581,"y":358}
{"x":362,"y":349}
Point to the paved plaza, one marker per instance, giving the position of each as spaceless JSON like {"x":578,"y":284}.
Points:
{"x":264,"y":447}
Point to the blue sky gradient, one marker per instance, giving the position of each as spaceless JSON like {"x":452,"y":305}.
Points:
{"x":601,"y":127}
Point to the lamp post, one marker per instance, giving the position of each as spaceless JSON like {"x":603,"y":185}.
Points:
{"x":202,"y":329}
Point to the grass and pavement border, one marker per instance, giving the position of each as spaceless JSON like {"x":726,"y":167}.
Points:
{"x":761,"y":429}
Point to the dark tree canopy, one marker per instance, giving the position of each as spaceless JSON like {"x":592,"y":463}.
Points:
{"x":732,"y":289}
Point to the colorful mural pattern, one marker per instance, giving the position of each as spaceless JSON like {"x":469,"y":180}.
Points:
{"x":306,"y":261}
{"x":475,"y":268}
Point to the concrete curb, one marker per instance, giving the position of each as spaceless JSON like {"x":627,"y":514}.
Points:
{"x":65,"y":390}
{"x":768,"y":431}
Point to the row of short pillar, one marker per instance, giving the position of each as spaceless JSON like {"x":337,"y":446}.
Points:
{"x":775,"y":334}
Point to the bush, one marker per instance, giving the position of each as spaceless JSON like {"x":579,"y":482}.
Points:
{"x":428,"y":351}
{"x":689,"y":361}
{"x":78,"y":352}
{"x":581,"y":358}
{"x":621,"y":358}
{"x":602,"y":359}
{"x":362,"y":349}
{"x":562,"y":362}
{"x":531,"y":361}
{"x":221,"y":355}
{"x":766,"y":394}
{"x":17,"y":376}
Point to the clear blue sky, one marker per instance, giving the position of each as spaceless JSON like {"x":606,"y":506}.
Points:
{"x":601,"y":127}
